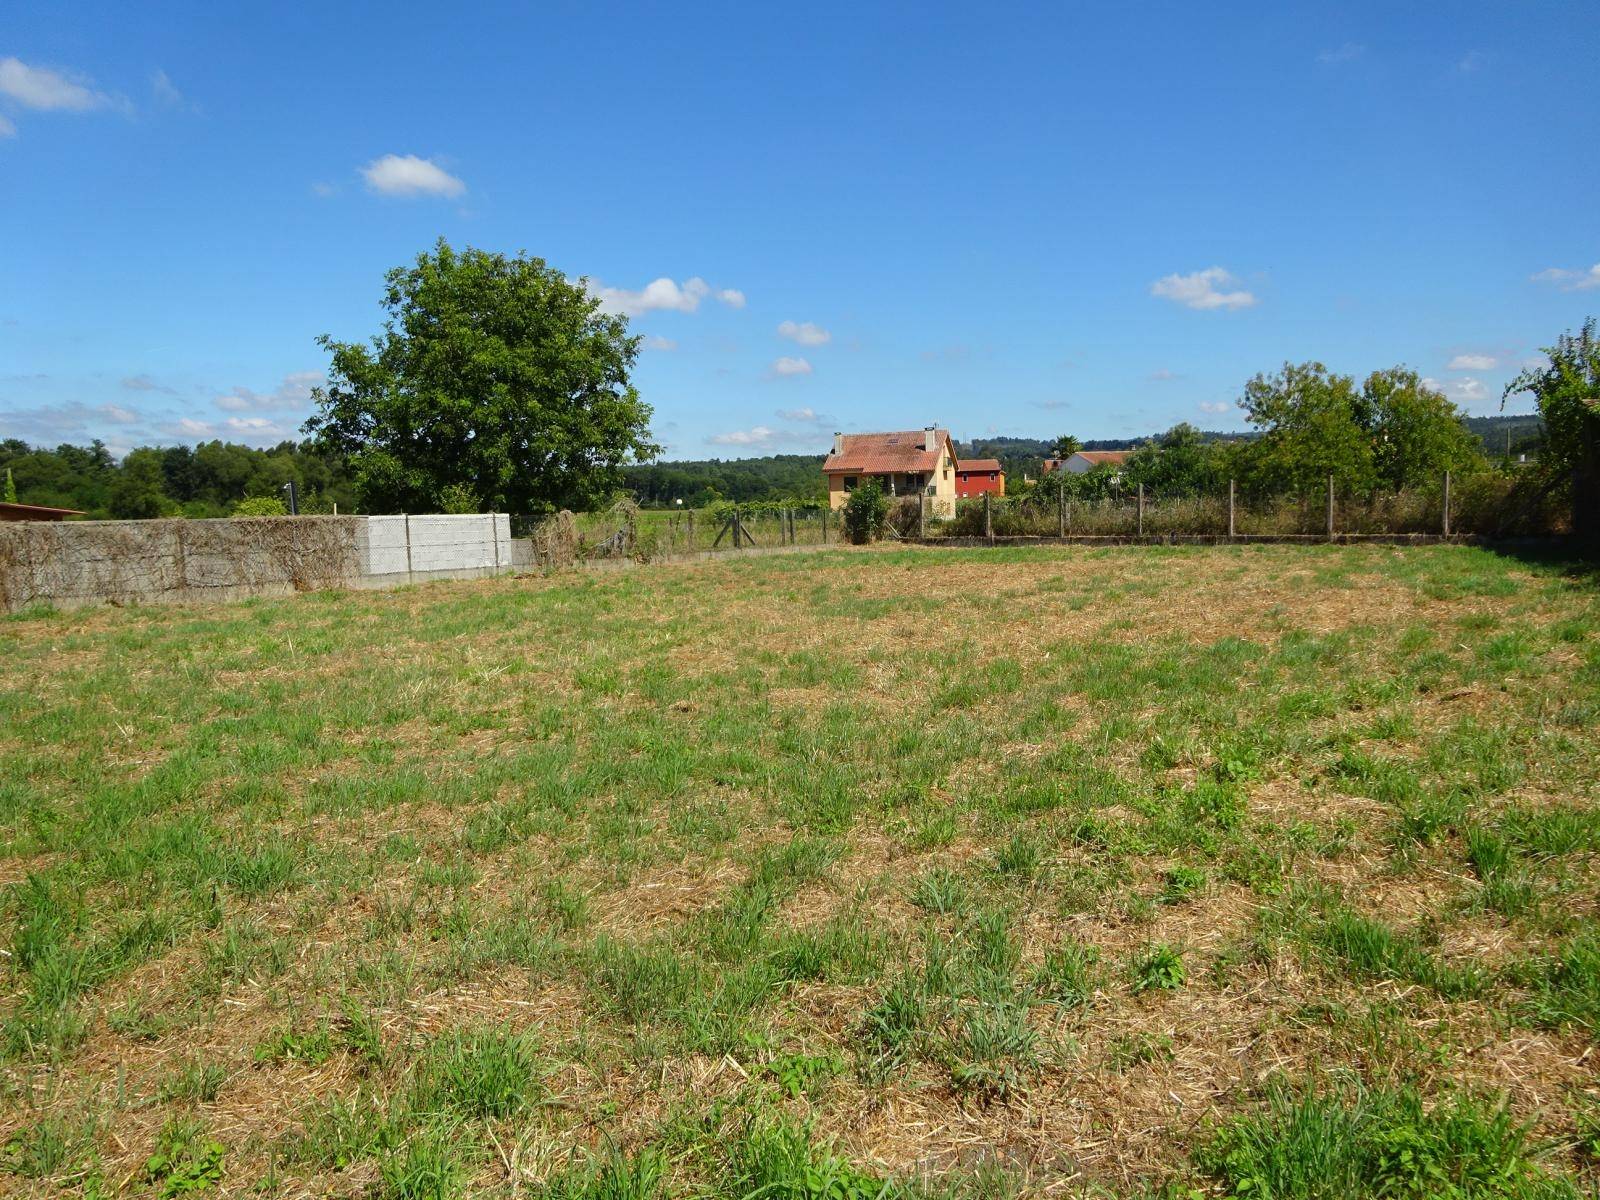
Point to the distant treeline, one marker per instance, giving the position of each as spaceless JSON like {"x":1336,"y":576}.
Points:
{"x":211,"y":479}
{"x":208,"y":480}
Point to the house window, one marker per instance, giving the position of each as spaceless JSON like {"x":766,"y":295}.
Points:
{"x":849,"y":483}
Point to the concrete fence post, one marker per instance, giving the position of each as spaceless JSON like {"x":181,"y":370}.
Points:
{"x":1330,"y":508}
{"x":1141,"y":510}
{"x":988,"y":519}
{"x":1061,"y":511}
{"x":1230,"y":509}
{"x":1447,"y":504}
{"x":922,"y":516}
{"x":408,"y":548}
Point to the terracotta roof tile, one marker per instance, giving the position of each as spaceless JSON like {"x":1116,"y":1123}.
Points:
{"x":885,"y":453}
{"x":978,"y":464}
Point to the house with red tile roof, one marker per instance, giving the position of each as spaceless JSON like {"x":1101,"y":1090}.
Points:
{"x":979,"y":476}
{"x":918,"y":462}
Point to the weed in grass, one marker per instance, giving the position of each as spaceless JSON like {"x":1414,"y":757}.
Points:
{"x":788,"y":1162}
{"x":184,"y":1161}
{"x":484,"y":1071}
{"x":939,"y":890}
{"x":427,"y":1166}
{"x":799,"y":1074}
{"x":195,"y":1082}
{"x":612,"y":1176}
{"x":1311,"y":1145}
{"x":1182,"y":883}
{"x":992,"y":1051}
{"x":1158,"y":966}
{"x":1021,"y":856}
{"x":1136,"y":1049}
{"x":1068,"y":975}
{"x":49,"y":1146}
{"x":1565,"y":987}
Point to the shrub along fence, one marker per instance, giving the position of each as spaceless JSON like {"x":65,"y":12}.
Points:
{"x":1483,"y":504}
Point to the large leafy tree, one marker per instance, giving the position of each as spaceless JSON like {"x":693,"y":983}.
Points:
{"x":1178,"y":463}
{"x":1313,"y":425}
{"x":1417,"y":432}
{"x":1567,"y":390}
{"x":493,"y":374}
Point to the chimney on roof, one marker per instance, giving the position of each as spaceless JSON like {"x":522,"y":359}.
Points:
{"x":838,"y":442}
{"x":930,"y":437}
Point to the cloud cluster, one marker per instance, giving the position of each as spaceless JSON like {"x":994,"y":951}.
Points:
{"x":1216,"y":407}
{"x":1466,"y":390}
{"x":1472,"y":362}
{"x":46,"y":90}
{"x":759,"y":435}
{"x":294,"y":393}
{"x":1203,"y":290}
{"x":789,"y":367}
{"x":663,"y":295}
{"x":1569,"y":280}
{"x":804,"y":332}
{"x":408,"y":175}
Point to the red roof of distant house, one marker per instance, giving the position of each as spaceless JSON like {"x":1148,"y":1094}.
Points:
{"x":1105,"y":456}
{"x":35,"y":512}
{"x":886,"y":453}
{"x":978,"y":464}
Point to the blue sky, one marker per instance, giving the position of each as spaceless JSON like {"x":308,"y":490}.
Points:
{"x":1095,"y":219}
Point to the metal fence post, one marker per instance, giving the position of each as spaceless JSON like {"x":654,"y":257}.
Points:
{"x":1141,"y":510}
{"x":408,"y":547}
{"x":1230,"y":509}
{"x":1330,"y":508}
{"x":1447,"y":504}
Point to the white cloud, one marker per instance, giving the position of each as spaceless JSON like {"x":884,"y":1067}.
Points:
{"x":143,"y":383}
{"x":189,"y":427}
{"x":1215,"y":407}
{"x":1201,"y":289}
{"x":166,"y":92}
{"x":804,"y":332}
{"x":760,"y":435}
{"x":798,"y":414}
{"x":7,"y":129}
{"x":791,"y":366}
{"x":1162,"y":375}
{"x":293,"y":393}
{"x":408,"y":175}
{"x":662,"y":295}
{"x":1471,"y":61}
{"x":658,"y":295}
{"x":1473,"y":362}
{"x":324,"y":190}
{"x":1348,"y":52}
{"x":122,"y":416}
{"x":1569,"y":280}
{"x":1463,"y":391}
{"x":659,"y":343}
{"x":46,"y":90}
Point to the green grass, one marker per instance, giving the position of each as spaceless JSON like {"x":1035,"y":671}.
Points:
{"x":837,"y":875}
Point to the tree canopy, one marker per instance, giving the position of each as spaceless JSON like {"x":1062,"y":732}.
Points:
{"x":1567,"y":390}
{"x":492,"y":374}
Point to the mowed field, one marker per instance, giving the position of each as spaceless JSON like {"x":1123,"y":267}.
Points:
{"x":1268,"y":871}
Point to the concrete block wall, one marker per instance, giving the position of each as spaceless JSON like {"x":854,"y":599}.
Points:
{"x":70,"y":563}
{"x":438,"y":543}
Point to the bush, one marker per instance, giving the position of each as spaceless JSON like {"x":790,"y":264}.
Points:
{"x":260,"y":506}
{"x":866,"y":513}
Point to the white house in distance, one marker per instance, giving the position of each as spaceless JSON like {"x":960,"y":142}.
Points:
{"x":1085,"y":461}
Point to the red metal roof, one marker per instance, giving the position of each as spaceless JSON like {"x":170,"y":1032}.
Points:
{"x":978,"y":464}
{"x":886,"y":453}
{"x":35,"y":512}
